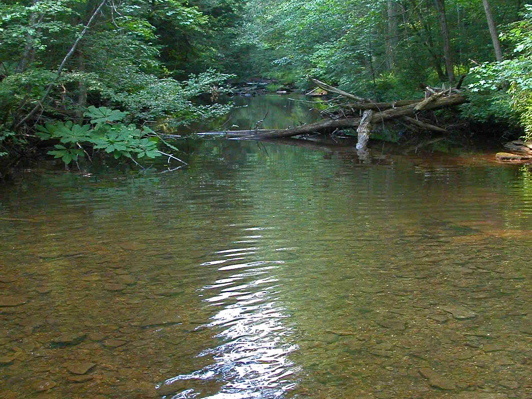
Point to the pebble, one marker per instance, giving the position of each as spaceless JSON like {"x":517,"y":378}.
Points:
{"x":133,"y":246}
{"x":509,"y":384}
{"x":437,"y":380}
{"x":392,"y":324}
{"x":493,"y":348}
{"x":97,"y":336}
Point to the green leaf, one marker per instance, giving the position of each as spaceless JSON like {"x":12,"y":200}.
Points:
{"x":104,"y":114}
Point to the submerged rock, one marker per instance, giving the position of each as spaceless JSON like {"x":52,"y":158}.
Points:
{"x":68,"y":340}
{"x":42,"y":386}
{"x":115,"y":287}
{"x":460,"y":312}
{"x":5,"y":360}
{"x":12,"y":300}
{"x":114,"y":343}
{"x":437,"y":380}
{"x":80,"y":368}
{"x":7,"y":279}
{"x":481,"y":395}
{"x":80,"y":378}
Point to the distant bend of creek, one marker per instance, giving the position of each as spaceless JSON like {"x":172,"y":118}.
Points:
{"x":269,"y":271}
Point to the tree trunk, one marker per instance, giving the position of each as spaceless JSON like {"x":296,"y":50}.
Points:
{"x":425,"y":36}
{"x":29,"y":49}
{"x":493,"y":31}
{"x":447,"y":52}
{"x":82,"y":88}
{"x":392,"y":39}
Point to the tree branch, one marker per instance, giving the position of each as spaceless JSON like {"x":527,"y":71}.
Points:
{"x":62,"y":65}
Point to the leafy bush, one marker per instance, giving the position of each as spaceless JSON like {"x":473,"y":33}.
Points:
{"x":505,"y":88}
{"x":106,"y":132}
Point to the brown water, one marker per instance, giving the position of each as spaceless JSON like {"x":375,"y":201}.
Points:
{"x":268,"y":271}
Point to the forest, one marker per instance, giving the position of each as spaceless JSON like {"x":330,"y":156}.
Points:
{"x":87,"y":78}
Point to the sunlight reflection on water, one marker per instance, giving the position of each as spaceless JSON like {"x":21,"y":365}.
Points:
{"x":252,"y":360}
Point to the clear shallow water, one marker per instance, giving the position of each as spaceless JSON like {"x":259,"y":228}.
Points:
{"x":268,"y":271}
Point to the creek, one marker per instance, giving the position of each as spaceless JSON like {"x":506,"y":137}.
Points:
{"x":268,"y":271}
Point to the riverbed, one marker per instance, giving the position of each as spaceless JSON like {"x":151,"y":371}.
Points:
{"x":268,"y":271}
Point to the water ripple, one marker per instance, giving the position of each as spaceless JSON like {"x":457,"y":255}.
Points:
{"x":252,"y":360}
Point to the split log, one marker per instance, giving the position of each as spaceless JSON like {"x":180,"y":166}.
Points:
{"x":364,"y":130}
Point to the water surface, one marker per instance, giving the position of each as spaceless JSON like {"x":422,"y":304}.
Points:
{"x":268,"y":271}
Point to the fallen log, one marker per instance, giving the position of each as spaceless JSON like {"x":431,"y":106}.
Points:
{"x":333,"y":89}
{"x":326,"y":125}
{"x":330,"y":125}
{"x":380,"y":106}
{"x":373,"y":113}
{"x":424,"y":125}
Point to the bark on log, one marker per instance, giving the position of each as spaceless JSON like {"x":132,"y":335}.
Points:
{"x":423,"y":104}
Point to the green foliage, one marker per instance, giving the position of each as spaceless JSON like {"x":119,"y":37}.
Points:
{"x":504,"y":89}
{"x":106,"y":132}
{"x":122,"y":62}
{"x":5,"y":136}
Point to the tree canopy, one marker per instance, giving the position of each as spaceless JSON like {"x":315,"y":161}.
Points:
{"x":152,"y":59}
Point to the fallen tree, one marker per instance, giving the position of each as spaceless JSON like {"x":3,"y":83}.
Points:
{"x":363,"y":114}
